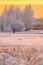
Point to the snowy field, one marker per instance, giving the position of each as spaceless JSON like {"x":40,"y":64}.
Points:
{"x":21,"y":48}
{"x":31,"y":38}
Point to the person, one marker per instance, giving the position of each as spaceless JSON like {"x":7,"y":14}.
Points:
{"x":14,"y":30}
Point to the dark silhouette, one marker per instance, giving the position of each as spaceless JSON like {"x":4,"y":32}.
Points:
{"x":14,"y":30}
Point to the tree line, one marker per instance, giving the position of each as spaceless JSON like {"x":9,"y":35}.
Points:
{"x":21,"y":20}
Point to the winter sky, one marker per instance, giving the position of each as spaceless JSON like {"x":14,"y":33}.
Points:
{"x":22,"y":1}
{"x":37,"y":5}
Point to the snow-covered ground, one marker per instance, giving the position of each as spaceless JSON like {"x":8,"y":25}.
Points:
{"x":21,"y":48}
{"x":21,"y":38}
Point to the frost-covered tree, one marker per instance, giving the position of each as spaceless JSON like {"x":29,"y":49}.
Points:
{"x":18,"y":13}
{"x":11,"y":13}
{"x":15,"y":18}
{"x":4,"y":18}
{"x":8,"y":18}
{"x":18,"y":25}
{"x":27,"y":16}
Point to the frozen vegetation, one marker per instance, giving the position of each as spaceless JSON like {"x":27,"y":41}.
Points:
{"x":20,"y":55}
